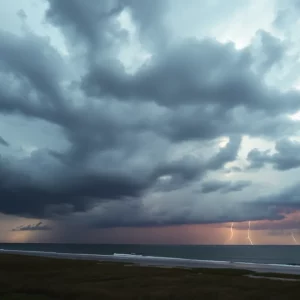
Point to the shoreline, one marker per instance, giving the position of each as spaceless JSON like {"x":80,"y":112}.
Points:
{"x":53,"y":277}
{"x":165,"y":261}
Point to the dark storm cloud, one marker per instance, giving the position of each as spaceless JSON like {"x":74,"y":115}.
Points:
{"x":215,"y":77}
{"x":224,"y":186}
{"x":148,"y":15}
{"x":134,"y":213}
{"x":269,"y":50}
{"x":94,"y":22}
{"x":258,"y":158}
{"x":213,"y":186}
{"x":206,"y":88}
{"x":234,"y":169}
{"x":204,"y":120}
{"x":3,"y":142}
{"x":122,"y":133}
{"x":238,"y":186}
{"x":33,"y":227}
{"x":285,"y":201}
{"x":32,"y":200}
{"x":226,"y":154}
{"x":66,"y":188}
{"x":37,"y":93}
{"x":207,"y":73}
{"x":60,"y":190}
{"x":186,"y":170}
{"x":286,"y":157}
{"x":39,"y":67}
{"x":82,"y":20}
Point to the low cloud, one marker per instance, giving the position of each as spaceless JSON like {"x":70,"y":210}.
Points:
{"x":224,"y":186}
{"x":3,"y":142}
{"x":286,"y":157}
{"x":33,"y":227}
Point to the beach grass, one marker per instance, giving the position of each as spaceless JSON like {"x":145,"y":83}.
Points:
{"x":40,"y":278}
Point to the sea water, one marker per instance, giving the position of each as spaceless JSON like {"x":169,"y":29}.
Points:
{"x":285,"y":255}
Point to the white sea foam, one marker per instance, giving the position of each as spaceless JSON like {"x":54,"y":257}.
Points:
{"x":125,"y":255}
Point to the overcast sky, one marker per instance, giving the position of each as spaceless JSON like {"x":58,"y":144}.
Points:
{"x":150,"y":121}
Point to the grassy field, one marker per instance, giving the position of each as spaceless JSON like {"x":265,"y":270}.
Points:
{"x":34,"y":278}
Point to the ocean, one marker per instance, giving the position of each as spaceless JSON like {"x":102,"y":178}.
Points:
{"x":286,"y":255}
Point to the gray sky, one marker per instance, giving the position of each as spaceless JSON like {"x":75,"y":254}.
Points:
{"x":139,"y":113}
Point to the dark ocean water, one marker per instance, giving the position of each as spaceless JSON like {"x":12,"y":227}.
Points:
{"x":250,"y":254}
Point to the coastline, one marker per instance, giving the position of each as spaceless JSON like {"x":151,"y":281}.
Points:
{"x":165,"y":261}
{"x":45,"y":277}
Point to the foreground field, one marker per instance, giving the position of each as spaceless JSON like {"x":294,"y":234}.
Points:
{"x":34,"y":278}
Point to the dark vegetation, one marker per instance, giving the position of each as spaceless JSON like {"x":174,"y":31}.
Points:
{"x":37,"y":278}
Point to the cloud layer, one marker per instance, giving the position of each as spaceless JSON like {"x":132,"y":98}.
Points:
{"x":127,"y":135}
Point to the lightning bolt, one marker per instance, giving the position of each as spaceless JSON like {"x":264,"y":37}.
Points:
{"x":231,"y":234}
{"x":249,"y":237}
{"x":294,"y":239}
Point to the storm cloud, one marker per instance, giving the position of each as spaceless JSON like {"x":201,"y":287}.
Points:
{"x":33,"y":227}
{"x":224,"y":186}
{"x":3,"y":142}
{"x":286,"y":157}
{"x":130,"y":147}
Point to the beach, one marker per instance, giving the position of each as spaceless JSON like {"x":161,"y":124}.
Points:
{"x":38,"y":275}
